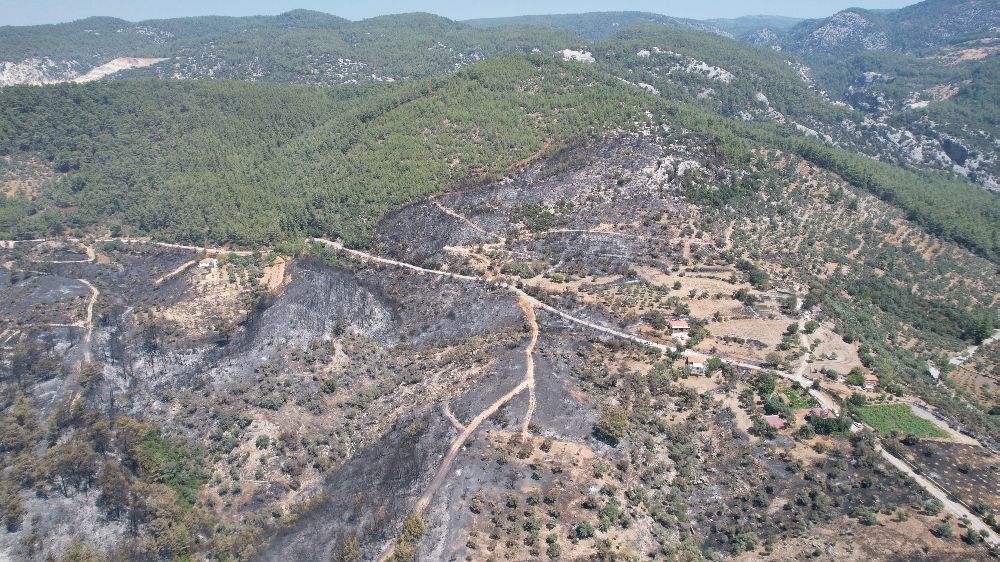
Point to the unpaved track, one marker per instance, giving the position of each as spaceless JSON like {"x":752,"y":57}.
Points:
{"x":939,"y":493}
{"x":727,"y":237}
{"x":178,"y":246}
{"x":600,"y":232}
{"x":89,"y":250}
{"x":528,"y":298}
{"x":624,"y":335}
{"x":527,"y":383}
{"x":971,"y":351}
{"x":453,"y":213}
{"x":804,"y":342}
{"x":446,"y":410}
{"x":529,"y":355}
{"x":824,"y":399}
{"x":88,"y":321}
{"x":91,"y":255}
{"x":456,"y":446}
{"x":177,"y":271}
{"x":369,"y":257}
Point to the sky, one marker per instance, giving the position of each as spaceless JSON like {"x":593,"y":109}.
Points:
{"x":29,"y":12}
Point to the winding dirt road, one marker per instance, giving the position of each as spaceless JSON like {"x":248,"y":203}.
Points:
{"x":527,"y":383}
{"x":372,"y":258}
{"x":88,"y":321}
{"x":88,"y":250}
{"x":529,"y":357}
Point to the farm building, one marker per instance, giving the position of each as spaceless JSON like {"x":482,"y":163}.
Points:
{"x":697,"y":362}
{"x":208,"y":263}
{"x":871,"y":381}
{"x":775,"y":421}
{"x":821,"y":413}
{"x":679,"y":329}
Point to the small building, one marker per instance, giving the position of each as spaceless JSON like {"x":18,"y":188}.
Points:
{"x":679,"y":329}
{"x":871,"y":381}
{"x":821,"y":413}
{"x":697,"y":363}
{"x":775,"y":421}
{"x":208,"y":263}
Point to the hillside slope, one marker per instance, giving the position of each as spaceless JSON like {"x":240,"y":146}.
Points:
{"x":403,"y":289}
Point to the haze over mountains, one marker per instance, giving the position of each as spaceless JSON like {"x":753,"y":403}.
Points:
{"x":602,"y":286}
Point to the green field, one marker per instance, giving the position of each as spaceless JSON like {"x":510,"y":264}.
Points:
{"x":887,"y":417}
{"x":798,"y":399}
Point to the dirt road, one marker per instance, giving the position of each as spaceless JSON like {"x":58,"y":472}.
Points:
{"x":180,"y":269}
{"x":88,"y":320}
{"x":369,"y":257}
{"x":971,"y":351}
{"x":446,"y":410}
{"x":932,"y":488}
{"x":529,"y":355}
{"x":529,"y":304}
{"x":527,"y":383}
{"x":453,"y":213}
{"x":88,"y":250}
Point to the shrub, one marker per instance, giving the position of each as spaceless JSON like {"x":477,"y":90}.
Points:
{"x":612,"y":424}
{"x":584,"y":530}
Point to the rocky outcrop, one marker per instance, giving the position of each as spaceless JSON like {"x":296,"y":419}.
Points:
{"x":846,"y":30}
{"x":37,"y":71}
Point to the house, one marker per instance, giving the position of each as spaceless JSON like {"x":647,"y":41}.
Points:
{"x":679,"y":329}
{"x":871,"y":381}
{"x":697,"y":363}
{"x":822,"y":413}
{"x":208,"y":263}
{"x":775,"y":421}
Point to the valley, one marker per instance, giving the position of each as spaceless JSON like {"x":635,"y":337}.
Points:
{"x":613,"y":286}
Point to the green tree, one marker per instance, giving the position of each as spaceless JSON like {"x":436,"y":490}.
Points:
{"x":612,"y":424}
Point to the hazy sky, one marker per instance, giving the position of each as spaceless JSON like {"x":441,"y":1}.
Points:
{"x":25,"y":12}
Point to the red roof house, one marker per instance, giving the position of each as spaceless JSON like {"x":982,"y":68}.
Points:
{"x":822,"y":413}
{"x":775,"y":421}
{"x":871,"y":381}
{"x":697,"y":362}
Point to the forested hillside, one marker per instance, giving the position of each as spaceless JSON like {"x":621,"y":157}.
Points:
{"x":184,"y":160}
{"x":257,"y":164}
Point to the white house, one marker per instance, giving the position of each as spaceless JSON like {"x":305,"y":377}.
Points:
{"x":697,"y":363}
{"x":679,"y":329}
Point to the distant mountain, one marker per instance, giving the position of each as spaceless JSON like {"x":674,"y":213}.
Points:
{"x":931,"y":23}
{"x":97,"y":38}
{"x":599,"y":25}
{"x":742,"y":26}
{"x":298,"y":47}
